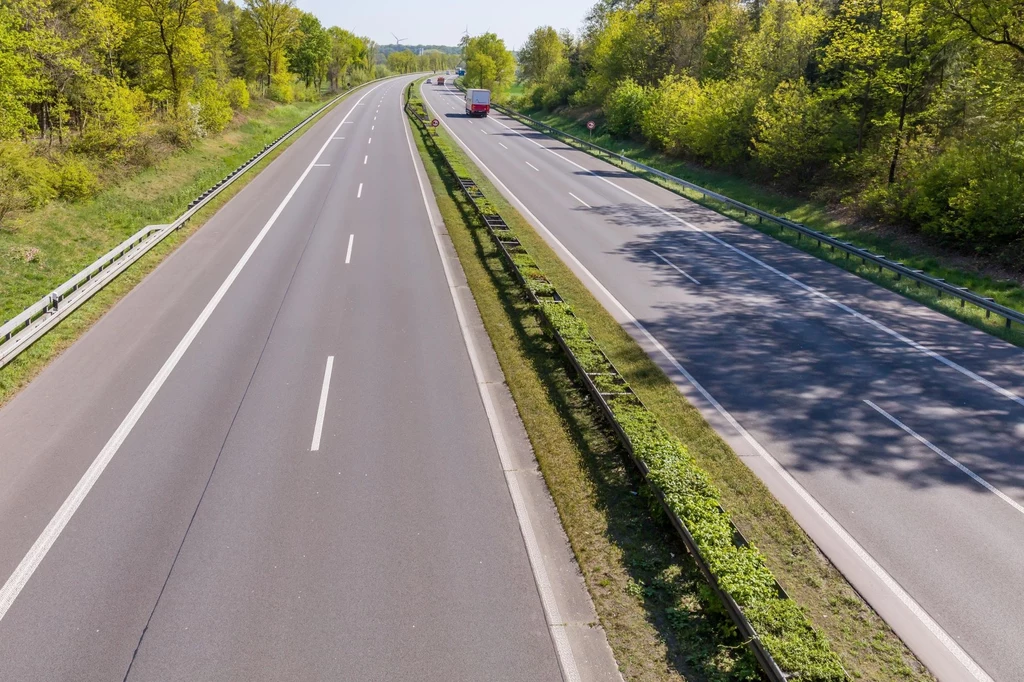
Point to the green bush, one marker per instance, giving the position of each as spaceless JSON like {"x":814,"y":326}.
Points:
{"x":708,"y":121}
{"x":792,"y":130}
{"x":303,"y":93}
{"x":281,"y":88}
{"x":116,"y":124}
{"x":74,"y":180}
{"x":625,"y":108}
{"x":969,"y":192}
{"x":26,"y":181}
{"x":214,"y":106}
{"x":185,"y":126}
{"x":238,"y":94}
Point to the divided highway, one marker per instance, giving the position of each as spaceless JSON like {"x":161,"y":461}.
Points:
{"x":892,"y":432}
{"x":271,"y":461}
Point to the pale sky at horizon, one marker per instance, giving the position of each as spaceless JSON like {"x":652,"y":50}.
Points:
{"x":443,"y":23}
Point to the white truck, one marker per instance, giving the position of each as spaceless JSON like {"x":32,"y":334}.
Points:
{"x":478,"y":102}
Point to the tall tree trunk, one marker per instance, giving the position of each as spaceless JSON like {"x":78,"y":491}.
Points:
{"x":899,"y":137}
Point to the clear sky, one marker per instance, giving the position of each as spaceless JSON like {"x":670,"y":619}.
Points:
{"x":425,"y":22}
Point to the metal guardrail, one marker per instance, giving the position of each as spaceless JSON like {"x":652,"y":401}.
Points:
{"x":940,"y":285}
{"x":23,"y":330}
{"x":506,"y":243}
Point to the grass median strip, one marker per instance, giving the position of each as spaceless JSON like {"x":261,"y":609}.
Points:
{"x":817,"y":217}
{"x":671,"y":630}
{"x":55,"y":243}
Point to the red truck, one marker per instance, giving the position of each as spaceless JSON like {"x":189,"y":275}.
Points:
{"x":478,"y":102}
{"x":440,"y":80}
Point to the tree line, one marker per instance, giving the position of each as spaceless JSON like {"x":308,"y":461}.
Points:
{"x":90,"y":88}
{"x":407,"y":61}
{"x":911,"y":111}
{"x":489,"y":64}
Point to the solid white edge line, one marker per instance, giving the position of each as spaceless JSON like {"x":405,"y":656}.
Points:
{"x":556,"y":626}
{"x":18,"y":579}
{"x":575,"y":197}
{"x":348,"y":254}
{"x":897,"y":590}
{"x":806,"y":287}
{"x":675,"y":267}
{"x":938,"y":451}
{"x":321,"y":409}
{"x":359,"y":192}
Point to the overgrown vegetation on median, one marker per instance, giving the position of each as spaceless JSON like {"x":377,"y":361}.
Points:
{"x":866,"y":646}
{"x":738,"y":569}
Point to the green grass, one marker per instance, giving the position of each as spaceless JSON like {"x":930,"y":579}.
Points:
{"x":648,"y":596}
{"x":48,"y":246}
{"x":817,"y":216}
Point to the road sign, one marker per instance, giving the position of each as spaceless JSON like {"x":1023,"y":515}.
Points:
{"x":591,"y":125}
{"x":435,"y":123}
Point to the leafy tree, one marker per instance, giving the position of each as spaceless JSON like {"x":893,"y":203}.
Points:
{"x":999,"y":22}
{"x":168,"y":43}
{"x":268,"y":27}
{"x":310,"y":53}
{"x":19,"y":78}
{"x":488,"y":64}
{"x":402,"y":62}
{"x":542,"y":52}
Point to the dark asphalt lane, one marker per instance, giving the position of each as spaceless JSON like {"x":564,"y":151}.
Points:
{"x":216,"y":545}
{"x":793,"y":348}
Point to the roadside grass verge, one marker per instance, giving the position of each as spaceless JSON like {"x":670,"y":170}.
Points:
{"x":49,"y":246}
{"x":619,"y":545}
{"x":818,"y":217}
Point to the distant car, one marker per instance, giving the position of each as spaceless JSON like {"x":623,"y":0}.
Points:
{"x":428,"y":82}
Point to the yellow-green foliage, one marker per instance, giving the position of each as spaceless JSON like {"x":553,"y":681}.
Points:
{"x":92,"y":87}
{"x":281,"y":88}
{"x":74,"y":180}
{"x":909,"y":111}
{"x":238,"y":94}
{"x":214,"y":106}
{"x":26,"y":181}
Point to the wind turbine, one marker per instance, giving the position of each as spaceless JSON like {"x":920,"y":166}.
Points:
{"x":398,"y":41}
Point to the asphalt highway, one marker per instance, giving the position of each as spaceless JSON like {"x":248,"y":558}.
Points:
{"x":893,"y":432}
{"x":271,"y":460}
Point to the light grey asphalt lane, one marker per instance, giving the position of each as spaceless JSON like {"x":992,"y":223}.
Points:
{"x":795,"y":370}
{"x":392,"y":552}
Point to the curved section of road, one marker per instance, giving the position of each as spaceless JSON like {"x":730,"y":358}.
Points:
{"x":297,"y":478}
{"x":892,"y":432}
